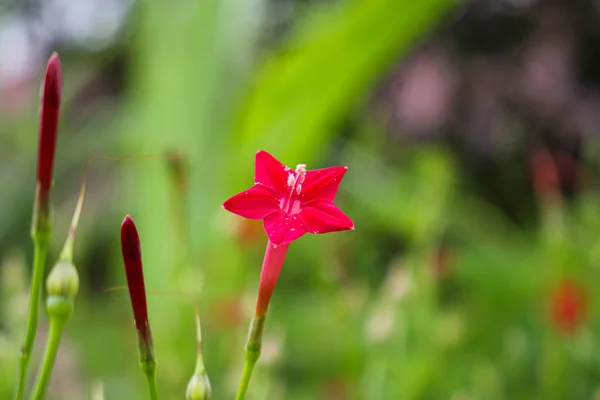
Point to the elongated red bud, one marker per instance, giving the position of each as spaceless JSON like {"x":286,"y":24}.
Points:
{"x":132,"y":257}
{"x":49,"y":111}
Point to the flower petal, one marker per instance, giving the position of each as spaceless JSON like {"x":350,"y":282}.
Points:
{"x":282,"y":228}
{"x":322,"y":184}
{"x":270,"y":173}
{"x":254,"y":203}
{"x":324,"y":216}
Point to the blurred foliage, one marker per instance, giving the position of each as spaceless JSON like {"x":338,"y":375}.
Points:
{"x":437,"y":294}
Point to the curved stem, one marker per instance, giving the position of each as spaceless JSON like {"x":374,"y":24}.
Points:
{"x":39,"y":261}
{"x":252,"y":352}
{"x":56,"y":327}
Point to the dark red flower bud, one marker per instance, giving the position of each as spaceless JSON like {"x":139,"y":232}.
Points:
{"x":132,"y":257}
{"x":49,"y":111}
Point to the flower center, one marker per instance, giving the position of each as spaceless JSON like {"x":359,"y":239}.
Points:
{"x":292,"y":204}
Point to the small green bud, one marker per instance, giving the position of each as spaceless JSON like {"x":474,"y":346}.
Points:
{"x":63,"y":280}
{"x":199,"y":388}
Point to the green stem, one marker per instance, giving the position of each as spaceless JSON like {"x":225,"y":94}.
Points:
{"x":148,"y":359}
{"x":40,"y":240}
{"x":252,"y":352}
{"x":246,"y":375}
{"x":151,"y":375}
{"x":56,"y":327}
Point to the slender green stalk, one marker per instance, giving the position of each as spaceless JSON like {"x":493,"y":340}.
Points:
{"x":148,"y":364}
{"x":151,"y":375}
{"x":246,"y":375}
{"x":148,"y":359}
{"x":252,"y":352}
{"x":251,"y":359}
{"x":40,"y":240}
{"x":56,"y":327}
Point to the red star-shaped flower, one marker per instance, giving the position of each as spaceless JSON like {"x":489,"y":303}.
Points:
{"x":291,"y":202}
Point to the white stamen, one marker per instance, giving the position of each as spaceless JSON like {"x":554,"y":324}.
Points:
{"x":301,"y":171}
{"x":301,"y":175}
{"x":294,"y":182}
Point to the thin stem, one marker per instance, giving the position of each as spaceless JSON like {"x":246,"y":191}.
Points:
{"x":148,"y":359}
{"x":252,"y":353}
{"x":151,"y":375}
{"x":39,"y":261}
{"x":56,"y":327}
{"x":246,"y":375}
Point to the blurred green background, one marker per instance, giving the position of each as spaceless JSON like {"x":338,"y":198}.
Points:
{"x":469,"y":129}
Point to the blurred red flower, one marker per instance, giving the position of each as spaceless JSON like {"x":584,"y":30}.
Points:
{"x":569,"y":306}
{"x":544,"y":173}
